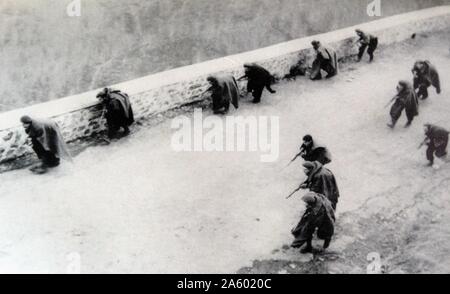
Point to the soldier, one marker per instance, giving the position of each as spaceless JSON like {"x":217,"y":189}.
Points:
{"x":47,"y":142}
{"x":258,"y":78}
{"x":326,"y":60}
{"x":225,"y":91}
{"x":310,"y":151}
{"x":406,"y":99}
{"x":425,"y":75}
{"x":366,"y":41}
{"x":117,"y":110}
{"x":320,"y":180}
{"x":318,"y":215}
{"x":437,"y":142}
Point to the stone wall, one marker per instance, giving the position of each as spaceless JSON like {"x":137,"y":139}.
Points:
{"x":79,"y":116}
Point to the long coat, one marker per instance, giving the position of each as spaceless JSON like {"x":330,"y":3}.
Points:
{"x":225,"y":92}
{"x":324,"y":56}
{"x":119,"y":110}
{"x":427,"y":76}
{"x":406,"y":99}
{"x":322,"y":181}
{"x":48,"y":134}
{"x":320,"y":217}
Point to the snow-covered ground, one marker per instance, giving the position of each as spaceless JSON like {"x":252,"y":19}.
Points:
{"x":138,"y":207}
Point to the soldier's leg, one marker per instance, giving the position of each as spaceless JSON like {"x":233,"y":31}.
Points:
{"x":249,"y":87}
{"x":308,"y":248}
{"x":257,"y":93}
{"x":423,"y":91}
{"x":372,"y":47}
{"x":362,"y":49}
{"x":37,"y":148}
{"x":112,"y":130}
{"x":226,"y":106}
{"x":331,"y":72}
{"x":430,"y":154}
{"x":126,"y":130}
{"x":50,"y":160}
{"x":394,"y":119}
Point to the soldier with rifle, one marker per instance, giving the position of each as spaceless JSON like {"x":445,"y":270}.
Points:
{"x":436,"y":138}
{"x":311,"y":151}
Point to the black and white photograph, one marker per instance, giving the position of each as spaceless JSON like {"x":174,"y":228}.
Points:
{"x":225,"y":137}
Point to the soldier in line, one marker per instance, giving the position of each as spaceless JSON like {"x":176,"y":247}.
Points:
{"x":436,"y":138}
{"x":406,"y":99}
{"x":47,"y":142}
{"x":326,"y":60}
{"x":366,"y":41}
{"x":319,"y":215}
{"x":117,"y":110}
{"x":425,"y":75}
{"x":258,"y":79}
{"x":320,"y":180}
{"x":225,"y":91}
{"x":310,"y":151}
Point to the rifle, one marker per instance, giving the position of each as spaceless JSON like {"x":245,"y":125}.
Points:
{"x":390,"y":101}
{"x":302,"y":186}
{"x":296,"y":156}
{"x":292,"y":194}
{"x":206,"y":91}
{"x":423,"y":143}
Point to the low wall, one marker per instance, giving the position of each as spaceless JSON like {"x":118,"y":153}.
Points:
{"x":79,"y":115}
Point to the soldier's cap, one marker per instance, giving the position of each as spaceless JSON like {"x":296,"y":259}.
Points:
{"x":103,"y":92}
{"x":26,"y":119}
{"x":307,"y":138}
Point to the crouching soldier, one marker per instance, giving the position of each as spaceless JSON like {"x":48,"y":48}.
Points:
{"x":225,"y":91}
{"x":117,"y":110}
{"x":425,"y":75}
{"x":406,"y":99}
{"x":326,"y":60}
{"x":318,"y":215}
{"x":437,"y":141}
{"x":47,"y":142}
{"x":366,"y":41}
{"x":310,"y":151}
{"x":258,"y":78}
{"x":320,"y":180}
